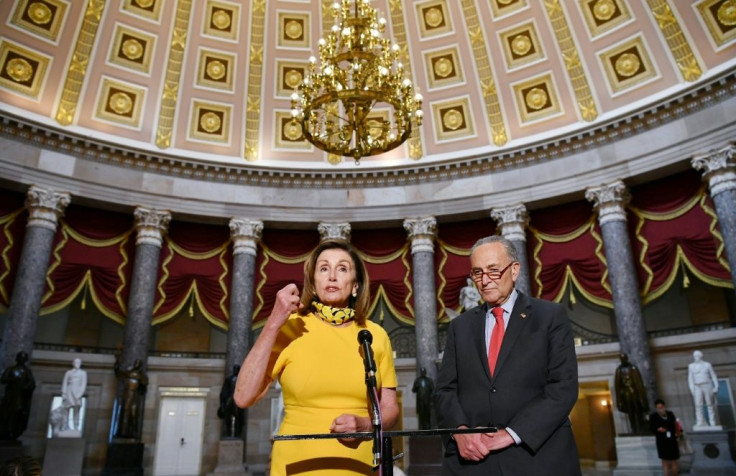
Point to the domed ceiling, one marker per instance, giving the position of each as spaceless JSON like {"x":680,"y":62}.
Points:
{"x":203,"y":86}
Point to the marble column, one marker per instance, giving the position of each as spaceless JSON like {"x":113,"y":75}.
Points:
{"x":334,"y":231}
{"x":45,"y":207}
{"x":422,"y":232}
{"x":719,"y":169}
{"x":150,"y":226}
{"x":513,"y":221}
{"x":610,"y":200}
{"x":245,"y":234}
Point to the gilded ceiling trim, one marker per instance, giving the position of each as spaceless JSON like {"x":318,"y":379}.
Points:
{"x":80,"y":60}
{"x":573,"y":65}
{"x":713,"y":91}
{"x":170,"y":94}
{"x":255,"y":73}
{"x":485,"y":75}
{"x":680,"y":48}
{"x":416,"y":149}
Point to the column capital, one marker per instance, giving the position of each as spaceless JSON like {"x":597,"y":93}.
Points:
{"x":718,"y":167}
{"x":421,"y":233}
{"x":151,"y":224}
{"x":334,"y":231}
{"x":245,"y":234}
{"x":513,"y":220}
{"x":45,"y":207}
{"x":610,"y":200}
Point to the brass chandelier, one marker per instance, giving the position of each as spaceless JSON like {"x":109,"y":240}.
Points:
{"x":356,"y":101}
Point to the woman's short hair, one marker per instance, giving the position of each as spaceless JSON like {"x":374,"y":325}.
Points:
{"x":360,"y":302}
{"x":658,"y":401}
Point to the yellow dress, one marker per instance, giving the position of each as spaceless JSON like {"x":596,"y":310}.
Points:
{"x":321,"y":372}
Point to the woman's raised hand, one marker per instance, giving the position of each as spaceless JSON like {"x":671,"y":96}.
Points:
{"x":287,"y":302}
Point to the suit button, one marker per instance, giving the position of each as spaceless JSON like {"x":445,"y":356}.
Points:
{"x":493,"y":389}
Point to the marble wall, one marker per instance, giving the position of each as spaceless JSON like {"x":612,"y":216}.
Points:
{"x":596,"y":364}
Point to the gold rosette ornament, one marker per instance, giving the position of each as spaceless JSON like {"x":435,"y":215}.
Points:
{"x":726,"y":13}
{"x":521,"y":44}
{"x":453,"y":119}
{"x":210,"y":122}
{"x":216,"y":69}
{"x":433,"y":17}
{"x":221,"y":19}
{"x":443,"y":67}
{"x":132,"y":49}
{"x":627,"y":64}
{"x":121,"y":103}
{"x":19,"y":69}
{"x":536,"y":98}
{"x":603,"y":10}
{"x":39,"y":13}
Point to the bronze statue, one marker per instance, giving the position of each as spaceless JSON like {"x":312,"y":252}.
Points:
{"x":631,"y":396}
{"x":232,"y":416}
{"x":15,"y":407}
{"x":424,"y":388}
{"x":134,"y":382}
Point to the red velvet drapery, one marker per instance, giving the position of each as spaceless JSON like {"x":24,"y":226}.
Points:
{"x":566,"y":252}
{"x":673,"y":228}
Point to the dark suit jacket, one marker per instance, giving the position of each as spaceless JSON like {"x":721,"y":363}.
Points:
{"x":532,"y":391}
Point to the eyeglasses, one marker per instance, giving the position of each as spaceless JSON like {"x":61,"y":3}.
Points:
{"x":493,"y":275}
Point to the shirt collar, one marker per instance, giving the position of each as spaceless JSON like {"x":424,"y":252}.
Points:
{"x":508,"y":306}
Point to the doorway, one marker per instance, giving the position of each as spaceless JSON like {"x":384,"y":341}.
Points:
{"x":593,"y":427}
{"x":179,"y":437}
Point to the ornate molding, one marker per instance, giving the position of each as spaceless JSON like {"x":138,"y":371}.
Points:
{"x":151,"y":225}
{"x":45,"y":207}
{"x":513,"y":221}
{"x":719,"y":168}
{"x":170,"y":94}
{"x":80,"y":59}
{"x":573,"y":65}
{"x":255,"y":72}
{"x":245,"y":234}
{"x":610,"y":200}
{"x":334,"y":231}
{"x":421,"y":233}
{"x":485,"y":73}
{"x":68,"y":142}
{"x":676,"y":39}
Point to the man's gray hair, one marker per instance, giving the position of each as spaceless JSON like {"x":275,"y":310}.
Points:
{"x":508,"y":246}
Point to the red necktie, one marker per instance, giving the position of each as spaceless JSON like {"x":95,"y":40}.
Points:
{"x":496,"y":338}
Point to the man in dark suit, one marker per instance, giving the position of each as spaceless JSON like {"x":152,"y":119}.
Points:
{"x":526,"y":387}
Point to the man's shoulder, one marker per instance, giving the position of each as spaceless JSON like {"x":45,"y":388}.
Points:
{"x":538,"y":302}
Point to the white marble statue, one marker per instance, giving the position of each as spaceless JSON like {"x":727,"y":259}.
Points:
{"x":703,"y":383}
{"x":72,"y":390}
{"x":469,"y":296}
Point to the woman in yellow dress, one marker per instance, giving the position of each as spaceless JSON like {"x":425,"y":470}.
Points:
{"x":310,"y":344}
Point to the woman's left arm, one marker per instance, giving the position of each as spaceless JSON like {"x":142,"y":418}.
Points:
{"x":389,"y":408}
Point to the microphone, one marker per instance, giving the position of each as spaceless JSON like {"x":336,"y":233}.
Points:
{"x":365,"y":338}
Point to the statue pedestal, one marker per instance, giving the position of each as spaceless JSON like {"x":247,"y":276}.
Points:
{"x":124,"y":458}
{"x":425,"y":456}
{"x":63,"y":456}
{"x":637,"y":456}
{"x":712,"y":455}
{"x":230,"y":458}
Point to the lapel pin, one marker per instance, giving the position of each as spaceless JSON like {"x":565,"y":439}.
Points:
{"x":523,"y":315}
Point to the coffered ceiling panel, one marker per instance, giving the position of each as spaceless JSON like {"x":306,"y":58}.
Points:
{"x":210,"y":80}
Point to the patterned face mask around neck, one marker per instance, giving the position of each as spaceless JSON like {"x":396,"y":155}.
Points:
{"x":333,"y":315}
